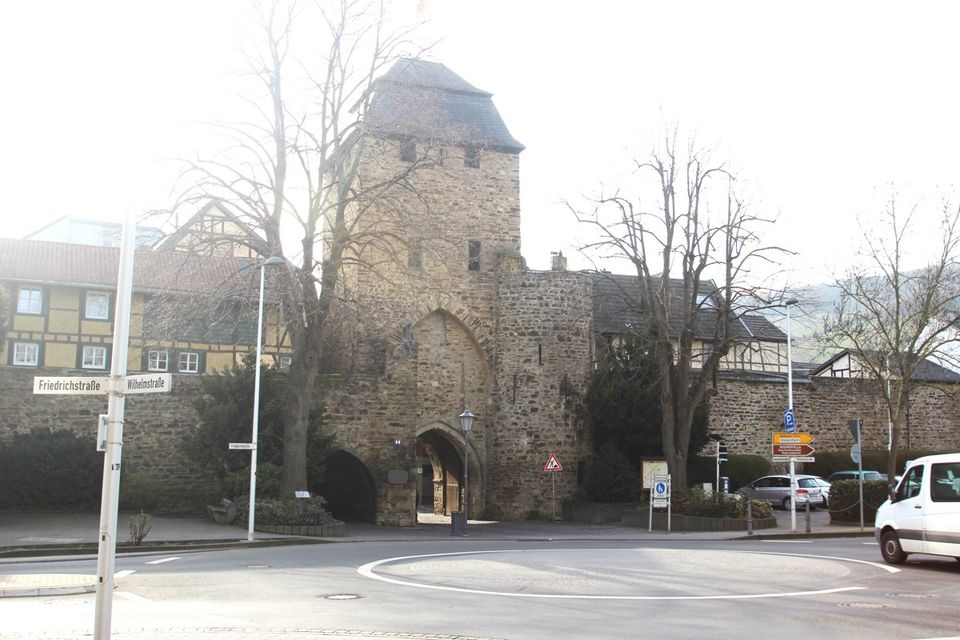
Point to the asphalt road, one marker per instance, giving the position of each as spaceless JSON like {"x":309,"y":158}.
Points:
{"x":811,"y":589}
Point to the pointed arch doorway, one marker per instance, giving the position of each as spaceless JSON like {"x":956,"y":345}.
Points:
{"x":440,"y":469}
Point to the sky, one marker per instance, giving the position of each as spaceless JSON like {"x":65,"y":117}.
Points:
{"x":819,"y":107}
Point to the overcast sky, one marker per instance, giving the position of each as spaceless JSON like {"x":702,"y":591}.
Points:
{"x":818,"y":105}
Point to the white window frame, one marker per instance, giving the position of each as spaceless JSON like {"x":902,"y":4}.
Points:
{"x":284,"y":362}
{"x":188,"y":362}
{"x":157,"y":356}
{"x":93,"y":356}
{"x":32,"y":304}
{"x":21,"y":349}
{"x":102,"y":308}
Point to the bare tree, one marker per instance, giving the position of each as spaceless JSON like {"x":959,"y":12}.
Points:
{"x":693,"y":263}
{"x":892,"y":318}
{"x":300,"y":167}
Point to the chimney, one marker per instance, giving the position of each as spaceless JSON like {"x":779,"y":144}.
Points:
{"x":557,"y":261}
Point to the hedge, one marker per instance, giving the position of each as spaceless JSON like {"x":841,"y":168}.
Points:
{"x":845,"y":500}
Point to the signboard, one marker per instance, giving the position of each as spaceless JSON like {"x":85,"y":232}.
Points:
{"x":71,"y":385}
{"x":242,"y":446}
{"x":794,"y":458}
{"x":793,"y":450}
{"x":660,"y":492}
{"x":553,"y":464}
{"x":148,"y":383}
{"x":792,"y":438}
{"x":789,"y":421}
{"x":855,"y":453}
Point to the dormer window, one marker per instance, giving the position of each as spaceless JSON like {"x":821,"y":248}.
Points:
{"x":471,"y":156}
{"x":705,"y":301}
{"x":408,"y":151}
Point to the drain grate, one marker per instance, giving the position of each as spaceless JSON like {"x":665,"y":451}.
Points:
{"x":866,"y":605}
{"x":342,"y":596}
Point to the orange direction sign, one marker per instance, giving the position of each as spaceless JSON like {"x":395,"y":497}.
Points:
{"x":792,"y":438}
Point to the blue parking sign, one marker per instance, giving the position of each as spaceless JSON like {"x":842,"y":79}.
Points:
{"x":789,"y":422}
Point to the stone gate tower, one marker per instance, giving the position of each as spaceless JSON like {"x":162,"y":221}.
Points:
{"x":440,"y":315}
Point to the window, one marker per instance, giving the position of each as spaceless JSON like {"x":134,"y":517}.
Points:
{"x":705,"y":301}
{"x":26,"y":354}
{"x":30,"y":300}
{"x":471,"y":156}
{"x":158,"y":360}
{"x":188,"y":362}
{"x":408,"y":151}
{"x":473,"y":255}
{"x":94,"y":357}
{"x":97,"y":306}
{"x":945,"y":485}
{"x":285,"y":362}
{"x":910,"y":485}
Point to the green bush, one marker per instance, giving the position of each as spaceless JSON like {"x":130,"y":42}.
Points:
{"x":718,"y":505}
{"x":50,"y":469}
{"x":845,"y":500}
{"x":610,"y":477}
{"x":297,"y":511}
{"x":237,"y":483}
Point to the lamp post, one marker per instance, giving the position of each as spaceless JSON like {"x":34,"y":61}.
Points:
{"x":269,"y":262}
{"x":466,"y":423}
{"x":793,"y":499}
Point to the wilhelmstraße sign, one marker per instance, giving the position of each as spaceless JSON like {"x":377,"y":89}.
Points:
{"x":71,"y":385}
{"x":100,"y":385}
{"x":147,"y":383}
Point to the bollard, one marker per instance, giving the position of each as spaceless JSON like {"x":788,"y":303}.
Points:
{"x":808,"y":515}
{"x":749,"y":516}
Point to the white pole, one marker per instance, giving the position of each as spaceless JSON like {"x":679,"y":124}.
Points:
{"x":793,"y":479}
{"x":256,"y":413}
{"x":110,"y":493}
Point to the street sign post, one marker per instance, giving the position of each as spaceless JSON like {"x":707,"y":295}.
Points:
{"x":660,"y":496}
{"x":553,"y":465}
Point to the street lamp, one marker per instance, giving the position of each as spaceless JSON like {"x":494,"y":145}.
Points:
{"x":793,"y":504}
{"x":466,"y":422}
{"x":269,"y":262}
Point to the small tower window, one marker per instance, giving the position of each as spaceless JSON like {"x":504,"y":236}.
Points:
{"x":408,"y":151}
{"x":471,"y":156}
{"x":473,"y":255}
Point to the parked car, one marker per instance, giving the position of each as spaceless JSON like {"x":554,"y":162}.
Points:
{"x":924,"y":514}
{"x":776,"y":490}
{"x":824,"y":491}
{"x":854,"y":474}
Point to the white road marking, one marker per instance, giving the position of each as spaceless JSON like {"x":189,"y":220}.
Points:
{"x":123,"y":574}
{"x":162,"y":560}
{"x":368,"y":570}
{"x":886,"y":568}
{"x":126,"y":595}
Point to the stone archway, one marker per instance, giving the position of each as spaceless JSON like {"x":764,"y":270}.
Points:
{"x":349,"y":488}
{"x":442,"y":459}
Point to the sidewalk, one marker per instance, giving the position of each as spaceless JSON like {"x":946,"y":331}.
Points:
{"x":25,"y":537}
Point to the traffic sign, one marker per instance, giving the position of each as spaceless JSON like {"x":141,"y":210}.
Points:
{"x":793,"y":450}
{"x":855,"y":453}
{"x":660,"y":492}
{"x":792,"y":438}
{"x":794,"y":459}
{"x":553,"y":464}
{"x":71,"y":385}
{"x":789,"y":421}
{"x":242,"y":446}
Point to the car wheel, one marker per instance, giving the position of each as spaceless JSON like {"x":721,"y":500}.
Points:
{"x":786,"y":504}
{"x":890,"y":548}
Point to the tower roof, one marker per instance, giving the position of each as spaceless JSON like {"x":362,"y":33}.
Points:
{"x":426,"y":100}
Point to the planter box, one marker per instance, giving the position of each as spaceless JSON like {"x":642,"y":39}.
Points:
{"x":334,"y":529}
{"x":640,"y":518}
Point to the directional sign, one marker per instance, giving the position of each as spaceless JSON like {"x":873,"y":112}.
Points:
{"x":243,"y":446}
{"x":793,"y":450}
{"x":553,"y":464}
{"x":149,"y":383}
{"x":792,"y":438}
{"x":789,"y":421}
{"x":71,"y":385}
{"x":794,"y":458}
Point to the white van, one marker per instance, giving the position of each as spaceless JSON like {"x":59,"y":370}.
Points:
{"x":924,"y":515}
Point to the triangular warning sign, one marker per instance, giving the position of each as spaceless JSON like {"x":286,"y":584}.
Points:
{"x":553,"y":464}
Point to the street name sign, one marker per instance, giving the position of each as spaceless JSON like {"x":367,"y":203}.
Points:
{"x":71,"y":385}
{"x":242,"y":446}
{"x":148,"y":383}
{"x":794,"y":458}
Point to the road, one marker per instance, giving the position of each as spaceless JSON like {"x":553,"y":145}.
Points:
{"x":811,"y":589}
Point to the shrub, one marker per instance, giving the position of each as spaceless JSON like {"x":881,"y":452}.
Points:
{"x":295,"y":511}
{"x":237,"y":483}
{"x":845,"y":500}
{"x":46,"y":468}
{"x":718,"y":505}
{"x":610,"y":477}
{"x":140,"y":526}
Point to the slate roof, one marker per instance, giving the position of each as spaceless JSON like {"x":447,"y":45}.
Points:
{"x":616,"y":311}
{"x":60,"y":263}
{"x":927,"y":370}
{"x":425,"y":100}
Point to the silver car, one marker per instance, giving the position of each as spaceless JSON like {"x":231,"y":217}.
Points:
{"x":776,"y":490}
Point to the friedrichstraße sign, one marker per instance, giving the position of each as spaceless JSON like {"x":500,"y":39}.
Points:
{"x":100,"y":385}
